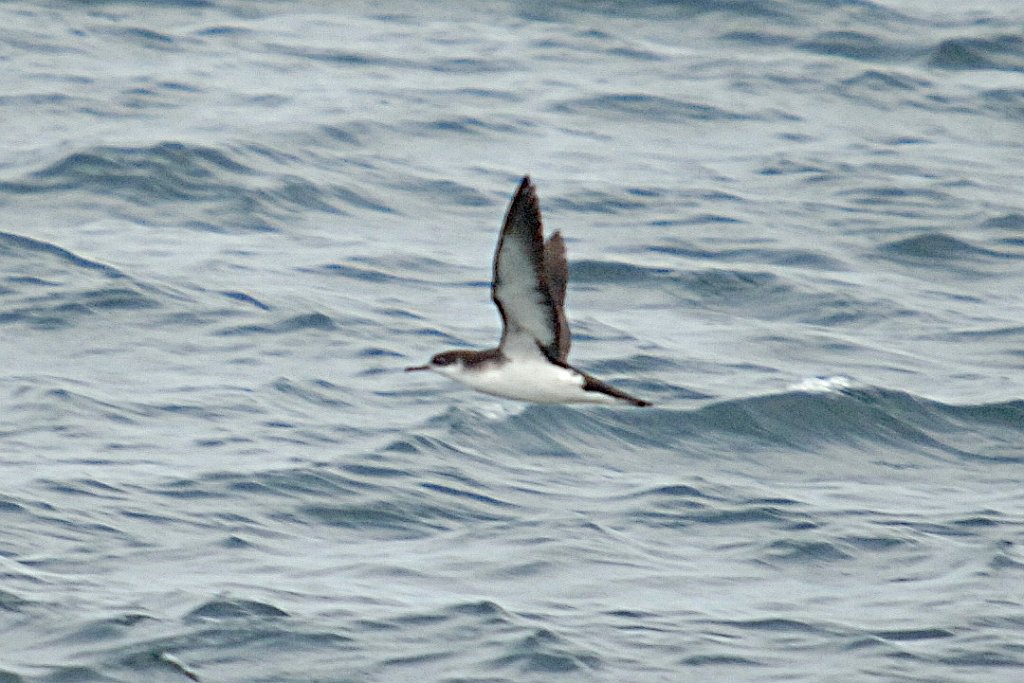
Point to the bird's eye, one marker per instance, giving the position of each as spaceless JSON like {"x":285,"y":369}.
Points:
{"x":441,"y":360}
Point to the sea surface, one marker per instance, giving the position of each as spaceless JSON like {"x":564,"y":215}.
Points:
{"x":796,"y":226}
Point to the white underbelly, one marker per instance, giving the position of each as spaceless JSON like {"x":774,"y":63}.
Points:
{"x":533,"y":381}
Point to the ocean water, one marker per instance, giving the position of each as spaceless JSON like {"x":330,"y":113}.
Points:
{"x":226,"y":228}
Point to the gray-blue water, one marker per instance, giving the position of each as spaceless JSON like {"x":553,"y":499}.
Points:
{"x":226,"y":227}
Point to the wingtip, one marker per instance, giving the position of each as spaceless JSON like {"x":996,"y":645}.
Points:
{"x":526,"y":192}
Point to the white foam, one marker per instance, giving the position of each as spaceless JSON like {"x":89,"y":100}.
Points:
{"x":823,"y":385}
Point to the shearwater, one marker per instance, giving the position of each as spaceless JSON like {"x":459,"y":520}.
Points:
{"x":528,"y":287}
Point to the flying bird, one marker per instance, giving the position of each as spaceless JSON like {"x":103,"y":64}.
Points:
{"x":528,"y":287}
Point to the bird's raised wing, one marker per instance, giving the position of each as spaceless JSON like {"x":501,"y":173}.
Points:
{"x":556,"y":267}
{"x":520,"y":287}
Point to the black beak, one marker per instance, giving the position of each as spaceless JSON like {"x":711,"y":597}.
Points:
{"x":418,"y":367}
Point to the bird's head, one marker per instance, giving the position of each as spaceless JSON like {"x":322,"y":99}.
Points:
{"x":446,"y":363}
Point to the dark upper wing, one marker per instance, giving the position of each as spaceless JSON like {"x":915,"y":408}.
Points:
{"x":556,"y":267}
{"x":520,"y":286}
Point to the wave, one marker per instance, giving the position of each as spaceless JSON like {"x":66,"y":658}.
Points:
{"x":19,"y":245}
{"x":855,"y":45}
{"x":936,"y":245}
{"x":648,"y":108}
{"x":46,"y":286}
{"x":226,"y":188}
{"x":817,"y":421}
{"x":1002,"y":52}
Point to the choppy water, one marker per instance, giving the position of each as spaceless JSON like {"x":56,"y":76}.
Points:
{"x":798,"y":227}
